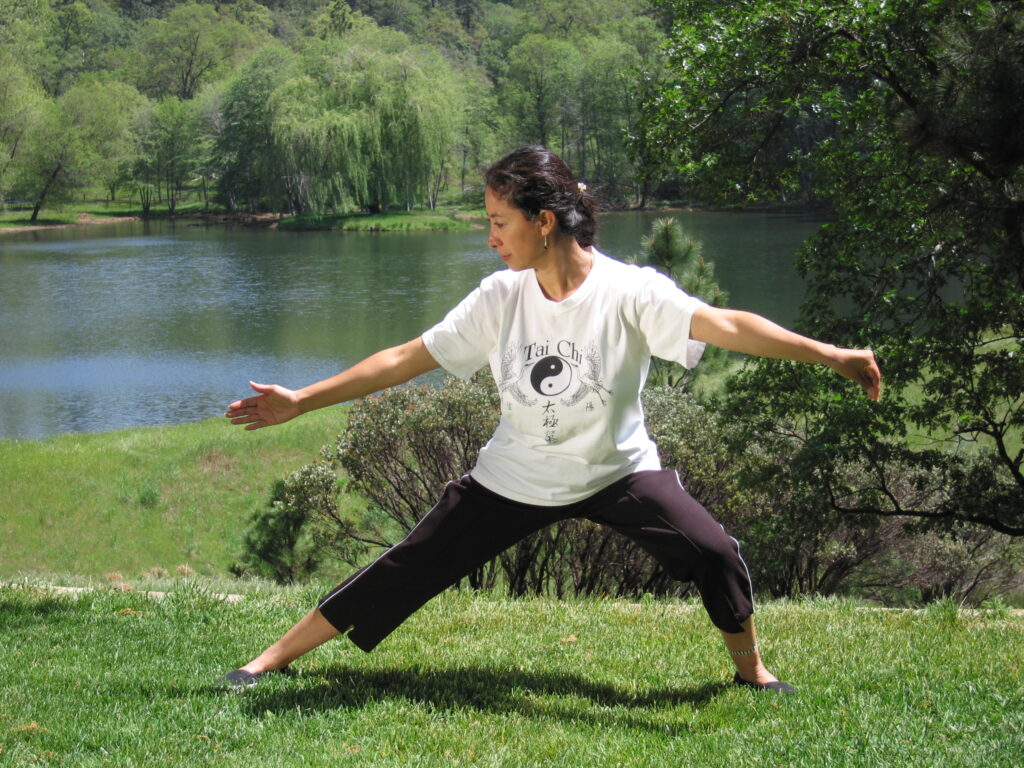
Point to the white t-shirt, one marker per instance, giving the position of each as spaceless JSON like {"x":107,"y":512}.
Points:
{"x":569,"y":374}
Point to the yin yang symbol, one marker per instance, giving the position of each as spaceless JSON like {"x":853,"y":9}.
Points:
{"x":551,"y":376}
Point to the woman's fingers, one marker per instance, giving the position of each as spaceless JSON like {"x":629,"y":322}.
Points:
{"x":240,"y":408}
{"x":870,"y":377}
{"x":861,"y":366}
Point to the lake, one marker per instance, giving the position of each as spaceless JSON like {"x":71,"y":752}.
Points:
{"x":148,"y":323}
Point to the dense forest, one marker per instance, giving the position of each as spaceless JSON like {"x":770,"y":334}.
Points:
{"x":302,"y":106}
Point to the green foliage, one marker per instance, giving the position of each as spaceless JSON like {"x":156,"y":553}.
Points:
{"x":171,"y":152}
{"x":905,"y":116}
{"x":395,"y":222}
{"x":107,"y":114}
{"x":966,"y":563}
{"x":691,"y":439}
{"x":245,"y":152}
{"x":539,"y":84}
{"x":402,"y":448}
{"x":576,"y":91}
{"x":367,"y":122}
{"x":177,"y":55}
{"x":371,"y":105}
{"x":58,"y":146}
{"x":21,"y":110}
{"x":673,"y":253}
{"x":996,"y":608}
{"x":794,"y":542}
{"x":678,"y":256}
{"x":334,"y":20}
{"x":86,"y":33}
{"x":286,"y":540}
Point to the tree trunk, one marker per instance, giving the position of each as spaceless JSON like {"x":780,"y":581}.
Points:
{"x":462,"y":173}
{"x":146,"y":200}
{"x":434,"y":193}
{"x":46,"y":190}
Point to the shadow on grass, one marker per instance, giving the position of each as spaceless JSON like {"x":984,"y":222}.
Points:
{"x":549,"y":695}
{"x":29,"y":608}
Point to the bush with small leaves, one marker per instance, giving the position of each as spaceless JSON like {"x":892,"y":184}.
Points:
{"x":287,"y":538}
{"x":402,"y":447}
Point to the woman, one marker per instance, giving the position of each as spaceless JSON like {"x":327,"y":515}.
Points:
{"x":568,"y":334}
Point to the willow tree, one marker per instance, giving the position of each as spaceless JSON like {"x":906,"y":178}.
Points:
{"x":322,"y":147}
{"x":367,"y":121}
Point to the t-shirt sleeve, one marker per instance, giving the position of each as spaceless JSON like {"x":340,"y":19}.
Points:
{"x":462,"y":342}
{"x":665,"y":312}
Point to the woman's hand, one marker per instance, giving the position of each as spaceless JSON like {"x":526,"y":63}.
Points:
{"x":861,"y":366}
{"x":273,"y":405}
{"x":754,"y":335}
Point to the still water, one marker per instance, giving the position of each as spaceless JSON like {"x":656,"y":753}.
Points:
{"x":148,"y":323}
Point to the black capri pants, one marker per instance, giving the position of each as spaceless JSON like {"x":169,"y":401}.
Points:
{"x":471,"y":525}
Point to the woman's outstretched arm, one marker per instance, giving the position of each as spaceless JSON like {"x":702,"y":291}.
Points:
{"x":754,"y":335}
{"x":275,"y":404}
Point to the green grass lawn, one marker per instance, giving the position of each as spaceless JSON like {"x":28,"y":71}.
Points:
{"x":110,"y":678}
{"x":155,"y":498}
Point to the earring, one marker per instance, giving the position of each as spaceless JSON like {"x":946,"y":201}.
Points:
{"x":545,"y":242}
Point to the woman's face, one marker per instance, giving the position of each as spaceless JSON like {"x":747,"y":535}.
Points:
{"x":517,"y":240}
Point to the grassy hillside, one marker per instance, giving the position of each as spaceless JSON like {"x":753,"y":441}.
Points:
{"x":118,"y":679}
{"x":142,"y":499}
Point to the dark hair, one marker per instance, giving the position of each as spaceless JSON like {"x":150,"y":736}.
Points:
{"x":535,"y":179}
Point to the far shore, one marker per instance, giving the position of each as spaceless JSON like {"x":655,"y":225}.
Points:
{"x":398,"y":221}
{"x":84,"y":220}
{"x":401,"y":221}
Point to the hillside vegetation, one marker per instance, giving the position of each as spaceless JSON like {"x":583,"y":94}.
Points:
{"x":309,"y":107}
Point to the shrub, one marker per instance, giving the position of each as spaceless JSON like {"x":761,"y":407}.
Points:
{"x":801,"y":541}
{"x":968,"y":564}
{"x":281,"y":544}
{"x":402,"y":447}
{"x":792,"y":542}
